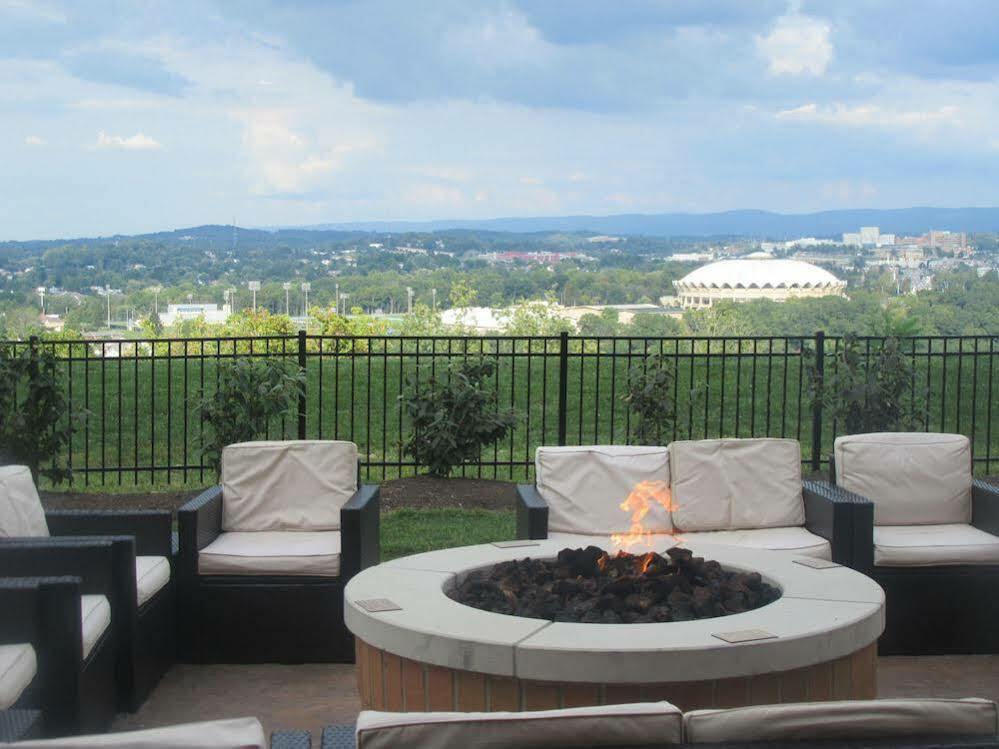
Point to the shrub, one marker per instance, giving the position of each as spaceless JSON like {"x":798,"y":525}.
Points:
{"x":454,"y":415}
{"x":36,"y":421}
{"x":650,"y":396}
{"x":868,"y":393}
{"x":250,"y":393}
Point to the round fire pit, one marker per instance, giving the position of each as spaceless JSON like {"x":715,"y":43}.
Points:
{"x":418,"y":649}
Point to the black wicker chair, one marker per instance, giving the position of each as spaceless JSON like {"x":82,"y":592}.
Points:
{"x":269,"y":618}
{"x":937,"y":609}
{"x":75,"y":693}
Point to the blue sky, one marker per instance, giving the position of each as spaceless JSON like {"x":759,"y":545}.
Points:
{"x":120,"y":116}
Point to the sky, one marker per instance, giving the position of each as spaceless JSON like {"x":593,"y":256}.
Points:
{"x":121,"y":116}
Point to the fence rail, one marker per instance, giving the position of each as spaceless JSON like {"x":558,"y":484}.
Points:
{"x":142,"y":426}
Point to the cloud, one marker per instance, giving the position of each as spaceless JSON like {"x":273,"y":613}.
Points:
{"x":137,"y":142}
{"x":31,"y":10}
{"x":34,"y":140}
{"x":797,"y":45}
{"x":432,"y":195}
{"x":527,"y":180}
{"x":871,"y":115}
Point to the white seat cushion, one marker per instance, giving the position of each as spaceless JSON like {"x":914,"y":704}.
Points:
{"x":272,"y":553}
{"x":795,"y":540}
{"x":729,"y":484}
{"x":18,"y":666}
{"x":151,"y":575}
{"x":845,"y":719}
{"x":646,"y":724}
{"x":586,"y":486}
{"x":287,"y":485}
{"x":236,"y":733}
{"x":95,"y":611}
{"x":933,"y":545}
{"x":912,"y":478}
{"x":21,"y":512}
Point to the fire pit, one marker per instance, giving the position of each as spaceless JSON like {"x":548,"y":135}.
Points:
{"x":419,"y":649}
{"x":591,"y":586}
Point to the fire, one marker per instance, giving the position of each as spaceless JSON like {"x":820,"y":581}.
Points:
{"x":639,"y":503}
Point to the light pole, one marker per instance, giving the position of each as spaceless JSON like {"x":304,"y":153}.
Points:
{"x":156,"y":300}
{"x":306,"y":288}
{"x":232,"y":299}
{"x":41,"y":297}
{"x":433,"y":294}
{"x":287,"y":305}
{"x":345,"y":297}
{"x":337,"y":297}
{"x":107,"y":293}
{"x":409,"y":300}
{"x":254,"y":286}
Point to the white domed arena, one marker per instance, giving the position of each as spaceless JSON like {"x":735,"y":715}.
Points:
{"x":755,"y":278}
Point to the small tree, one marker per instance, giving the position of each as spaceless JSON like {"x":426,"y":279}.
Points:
{"x":36,"y":421}
{"x":650,"y":396}
{"x":868,"y":393}
{"x":250,"y":393}
{"x":454,"y":415}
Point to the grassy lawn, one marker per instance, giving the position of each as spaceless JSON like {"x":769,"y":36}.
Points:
{"x":407,"y":531}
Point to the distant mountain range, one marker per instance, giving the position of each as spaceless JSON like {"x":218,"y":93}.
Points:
{"x":743,"y":223}
{"x":752,"y":223}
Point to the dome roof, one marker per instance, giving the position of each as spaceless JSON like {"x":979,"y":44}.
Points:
{"x":760,"y":274}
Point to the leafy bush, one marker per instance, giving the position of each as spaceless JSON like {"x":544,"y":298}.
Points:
{"x":36,"y":421}
{"x":454,"y":414}
{"x":650,"y":396}
{"x":250,"y":393}
{"x":868,"y":393}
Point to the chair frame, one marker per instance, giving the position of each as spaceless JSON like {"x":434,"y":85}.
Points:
{"x":830,"y":512}
{"x":269,"y":618}
{"x":147,"y":641}
{"x":76,"y":695}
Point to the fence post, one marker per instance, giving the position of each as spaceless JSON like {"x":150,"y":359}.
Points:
{"x":301,"y":393}
{"x":563,"y":384}
{"x":820,"y":368}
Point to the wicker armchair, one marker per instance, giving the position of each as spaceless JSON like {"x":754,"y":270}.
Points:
{"x":578,"y":490}
{"x":146,"y":624}
{"x":932,"y":542}
{"x":265,"y":556}
{"x":66,"y":612}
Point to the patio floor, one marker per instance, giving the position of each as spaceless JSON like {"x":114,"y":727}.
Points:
{"x":311,"y":696}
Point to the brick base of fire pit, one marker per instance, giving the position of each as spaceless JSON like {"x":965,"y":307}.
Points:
{"x":388,"y":682}
{"x":419,"y":650}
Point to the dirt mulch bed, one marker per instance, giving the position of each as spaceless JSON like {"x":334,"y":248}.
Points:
{"x":425,"y":492}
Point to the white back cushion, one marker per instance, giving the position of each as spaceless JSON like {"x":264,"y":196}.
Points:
{"x":287,"y":485}
{"x":913,"y":478}
{"x":21,"y":512}
{"x":236,"y":733}
{"x":585,"y":486}
{"x":652,"y":724}
{"x":729,"y":484}
{"x":843,"y":719}
{"x":18,"y":666}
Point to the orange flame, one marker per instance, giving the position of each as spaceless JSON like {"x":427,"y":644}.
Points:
{"x":639,"y":503}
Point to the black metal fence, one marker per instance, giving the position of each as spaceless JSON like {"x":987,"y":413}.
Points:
{"x":142,"y":426}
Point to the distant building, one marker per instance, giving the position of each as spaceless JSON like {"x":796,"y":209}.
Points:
{"x":868,"y":236}
{"x":212,"y":313}
{"x":748,"y":279}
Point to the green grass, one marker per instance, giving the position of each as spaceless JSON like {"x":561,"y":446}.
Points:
{"x":408,"y":531}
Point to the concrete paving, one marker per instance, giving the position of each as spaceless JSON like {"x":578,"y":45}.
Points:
{"x":315,"y":695}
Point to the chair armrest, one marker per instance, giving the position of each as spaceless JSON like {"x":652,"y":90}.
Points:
{"x":90,"y":559}
{"x":339,"y":737}
{"x":291,"y":740}
{"x":151,"y":528}
{"x":360,"y":521}
{"x":843,"y":518}
{"x":532,"y":513}
{"x":985,"y":507}
{"x":199,"y":522}
{"x":25,"y":601}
